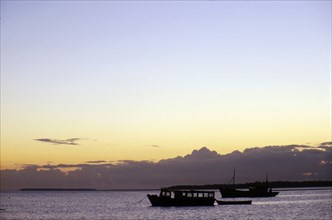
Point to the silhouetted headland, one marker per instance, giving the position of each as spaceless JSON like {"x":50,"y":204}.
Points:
{"x":57,"y":189}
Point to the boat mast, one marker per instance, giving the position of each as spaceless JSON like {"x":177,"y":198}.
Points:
{"x":234,"y":176}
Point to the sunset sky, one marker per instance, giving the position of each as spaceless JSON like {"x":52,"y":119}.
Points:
{"x":110,"y":80}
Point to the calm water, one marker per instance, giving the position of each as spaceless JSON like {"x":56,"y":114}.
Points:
{"x":304,"y":204}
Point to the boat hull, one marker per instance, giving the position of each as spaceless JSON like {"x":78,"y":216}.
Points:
{"x":167,"y":201}
{"x":245,"y":202}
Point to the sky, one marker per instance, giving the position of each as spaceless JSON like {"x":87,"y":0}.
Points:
{"x":146,"y":81}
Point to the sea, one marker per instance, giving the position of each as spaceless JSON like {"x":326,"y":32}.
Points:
{"x":313,"y":203}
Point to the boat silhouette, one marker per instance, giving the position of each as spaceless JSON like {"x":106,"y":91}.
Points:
{"x":255,"y":190}
{"x":169,"y":197}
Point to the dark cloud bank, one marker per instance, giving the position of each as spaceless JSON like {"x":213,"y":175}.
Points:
{"x":281,"y":163}
{"x":71,"y":141}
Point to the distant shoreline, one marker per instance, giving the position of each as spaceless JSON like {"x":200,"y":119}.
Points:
{"x":78,"y":189}
{"x":273,"y":184}
{"x":281,"y":185}
{"x":56,"y":189}
{"x":157,"y":189}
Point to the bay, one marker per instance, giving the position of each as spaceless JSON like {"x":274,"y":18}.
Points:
{"x":289,"y":204}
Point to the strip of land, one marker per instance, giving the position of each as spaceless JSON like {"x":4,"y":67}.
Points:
{"x":57,"y":189}
{"x":275,"y":184}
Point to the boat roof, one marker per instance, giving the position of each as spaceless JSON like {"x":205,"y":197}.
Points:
{"x":186,"y":190}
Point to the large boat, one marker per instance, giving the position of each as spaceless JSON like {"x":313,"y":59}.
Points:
{"x":257,"y":190}
{"x":169,"y":197}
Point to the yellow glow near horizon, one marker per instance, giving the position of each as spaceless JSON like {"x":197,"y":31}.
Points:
{"x":130,"y":137}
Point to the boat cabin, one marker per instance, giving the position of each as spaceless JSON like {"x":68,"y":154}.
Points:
{"x":186,"y":194}
{"x":193,"y":194}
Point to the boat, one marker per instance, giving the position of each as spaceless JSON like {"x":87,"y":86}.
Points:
{"x":257,"y":190}
{"x":254,"y":191}
{"x":168,"y":197}
{"x":242,"y":202}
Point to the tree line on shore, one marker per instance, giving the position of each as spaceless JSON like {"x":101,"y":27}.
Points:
{"x":273,"y":184}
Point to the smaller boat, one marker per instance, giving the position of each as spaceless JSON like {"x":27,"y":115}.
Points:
{"x":169,"y":197}
{"x":257,"y":190}
{"x":254,"y":191}
{"x":242,"y":202}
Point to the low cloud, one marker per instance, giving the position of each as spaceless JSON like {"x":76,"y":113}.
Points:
{"x":70,"y":141}
{"x":203,"y":166}
{"x":96,"y":161}
{"x":326,"y":146}
{"x":156,"y":146}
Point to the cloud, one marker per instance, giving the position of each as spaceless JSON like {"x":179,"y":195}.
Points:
{"x":71,"y":141}
{"x":156,"y":146}
{"x":202,"y":154}
{"x":326,"y":144}
{"x":96,"y":161}
{"x":202,"y":166}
